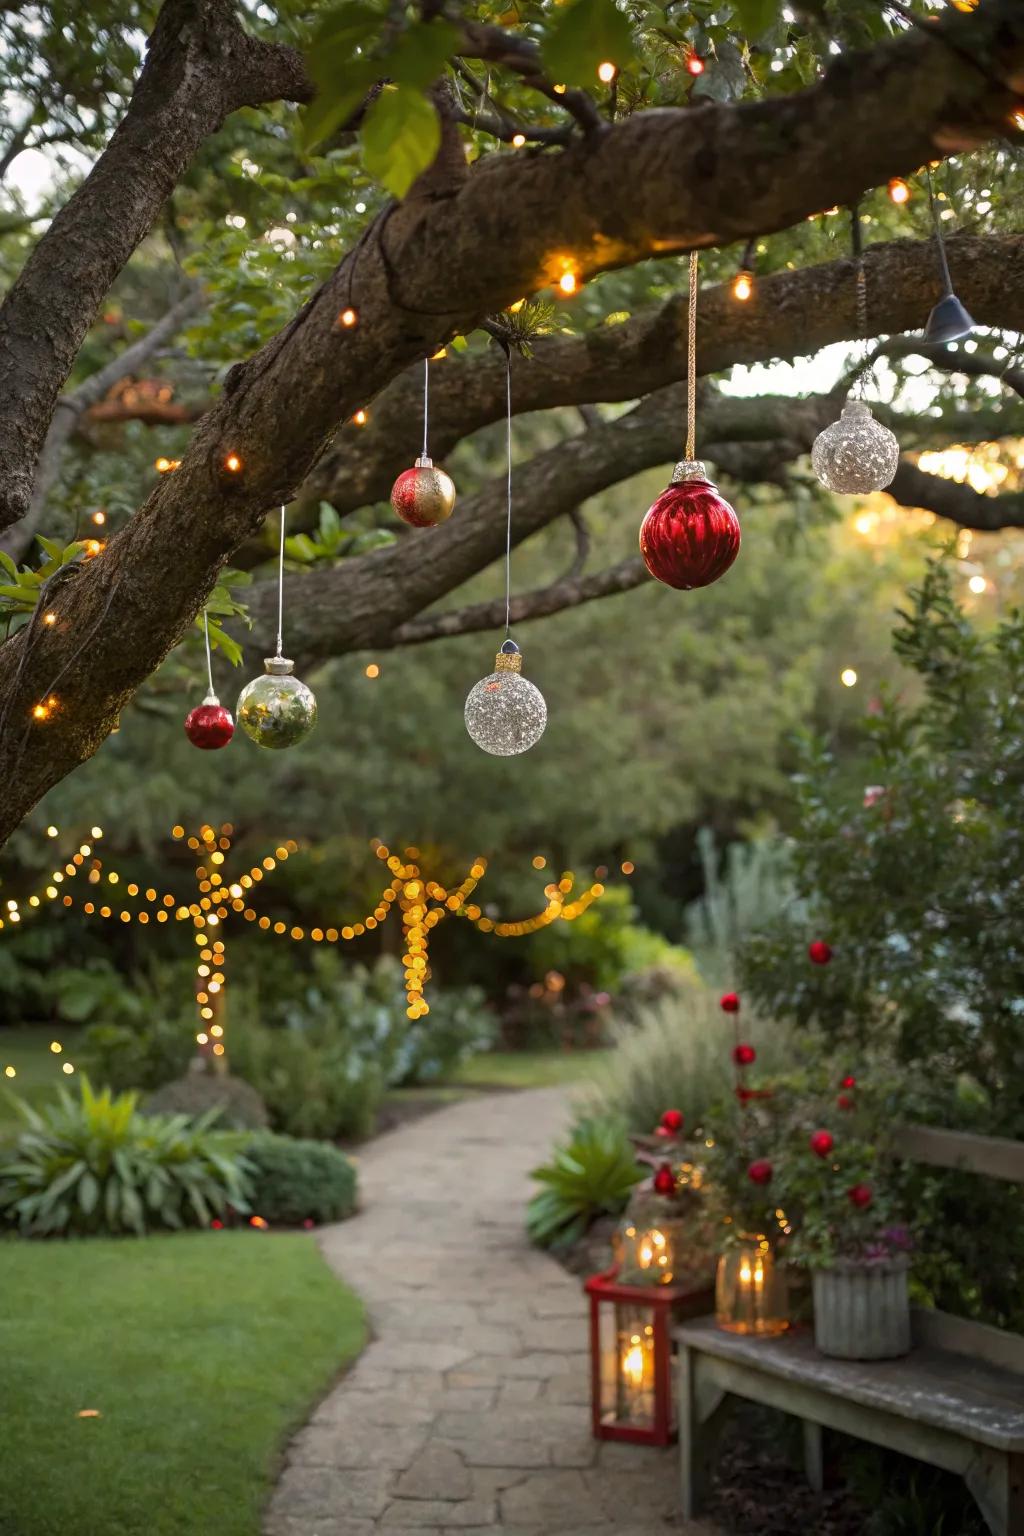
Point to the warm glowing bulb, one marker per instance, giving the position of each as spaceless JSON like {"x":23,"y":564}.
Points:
{"x":67,"y":1068}
{"x":232,"y":463}
{"x":10,"y":1072}
{"x":743,"y":286}
{"x":695,"y":64}
{"x":559,"y":90}
{"x":360,"y":418}
{"x":978,"y":584}
{"x":848,"y":677}
{"x":606,"y":72}
{"x":161,"y":465}
{"x":1018,"y":120}
{"x":56,"y":1047}
{"x":348,"y":317}
{"x":40,"y":712}
{"x":899,"y":191}
{"x":93,"y":547}
{"x":567,"y":282}
{"x":514,"y":309}
{"x":99,"y":518}
{"x":51,"y":831}
{"x":49,"y":618}
{"x":518,"y":140}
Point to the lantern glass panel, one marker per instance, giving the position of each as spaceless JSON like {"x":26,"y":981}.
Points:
{"x":750,"y":1290}
{"x":628,"y":1373}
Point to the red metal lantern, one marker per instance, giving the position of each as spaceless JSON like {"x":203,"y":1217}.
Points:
{"x":691,"y":535}
{"x":631,"y":1394}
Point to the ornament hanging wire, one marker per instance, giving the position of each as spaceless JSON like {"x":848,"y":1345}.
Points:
{"x":280,"y":590}
{"x":508,"y":493}
{"x":426,"y":406}
{"x":209,"y":657}
{"x":691,"y":358}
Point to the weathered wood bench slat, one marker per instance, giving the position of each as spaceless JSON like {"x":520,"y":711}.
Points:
{"x":996,"y":1157}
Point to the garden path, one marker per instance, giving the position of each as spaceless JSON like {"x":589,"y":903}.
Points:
{"x":467,"y":1414}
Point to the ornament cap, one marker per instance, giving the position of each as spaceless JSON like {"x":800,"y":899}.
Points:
{"x":424,"y":462}
{"x":688,"y":469}
{"x":278,"y":666}
{"x":211,"y":698}
{"x":510,"y":660}
{"x":857,"y":409}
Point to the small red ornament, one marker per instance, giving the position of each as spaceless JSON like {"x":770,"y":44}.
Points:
{"x":209,"y":726}
{"x":664,"y":1181}
{"x":848,"y":1082}
{"x":663,"y":1131}
{"x":760,"y":1172}
{"x":730,"y":1002}
{"x":819,"y":953}
{"x":822,"y":1143}
{"x":690,"y":535}
{"x":860,"y":1195}
{"x":844,"y":1101}
{"x":672,"y":1120}
{"x":424,"y":495}
{"x":744,"y":1055}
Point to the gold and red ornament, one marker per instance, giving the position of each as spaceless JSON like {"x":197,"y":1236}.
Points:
{"x":819,"y":953}
{"x":277,"y":710}
{"x":209,"y":726}
{"x":691,"y":535}
{"x":822,"y":1143}
{"x":424,"y":495}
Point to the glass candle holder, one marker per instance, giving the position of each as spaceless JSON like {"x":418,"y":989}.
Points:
{"x":750,"y":1289}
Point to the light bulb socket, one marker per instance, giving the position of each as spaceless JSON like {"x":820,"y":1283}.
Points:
{"x":278,"y":666}
{"x":688,"y":469}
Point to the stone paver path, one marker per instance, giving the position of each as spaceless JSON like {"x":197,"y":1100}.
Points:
{"x":467,"y":1414}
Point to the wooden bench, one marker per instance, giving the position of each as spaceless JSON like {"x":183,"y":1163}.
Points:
{"x":956,"y":1401}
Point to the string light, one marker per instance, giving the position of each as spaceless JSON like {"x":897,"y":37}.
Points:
{"x":360,"y":418}
{"x":50,"y":618}
{"x":743,"y":286}
{"x":373,"y":670}
{"x":899,"y":191}
{"x":568,"y":282}
{"x":606,"y":72}
{"x":978,"y":585}
{"x":848,"y":677}
{"x":233,"y":464}
{"x":518,"y":140}
{"x":694,"y":63}
{"x":99,"y":518}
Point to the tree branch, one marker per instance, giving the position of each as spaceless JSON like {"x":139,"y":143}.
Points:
{"x":201,"y":66}
{"x":962,"y":504}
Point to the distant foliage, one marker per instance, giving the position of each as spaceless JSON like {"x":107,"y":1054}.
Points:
{"x":607,"y":945}
{"x":747,"y":886}
{"x":94,"y":1164}
{"x":291,"y":1181}
{"x":238,"y":1105}
{"x":143,"y":1055}
{"x":590,"y":1176}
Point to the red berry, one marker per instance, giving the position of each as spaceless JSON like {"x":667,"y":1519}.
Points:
{"x":730,"y":1002}
{"x":744,"y":1055}
{"x":819,"y":952}
{"x":848,"y":1082}
{"x":860,"y":1195}
{"x":672,"y":1120}
{"x":844,"y":1101}
{"x":760,"y":1171}
{"x":822,"y":1143}
{"x":664,"y":1181}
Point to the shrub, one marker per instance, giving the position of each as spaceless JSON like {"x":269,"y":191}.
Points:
{"x":743,"y":889}
{"x":605,"y":945}
{"x":95,"y":1165}
{"x":590,"y":1176}
{"x":292,"y":1181}
{"x":459,"y":1025}
{"x":144,"y":1055}
{"x":313,"y":1082}
{"x":240,"y":1106}
{"x":678,"y":1055}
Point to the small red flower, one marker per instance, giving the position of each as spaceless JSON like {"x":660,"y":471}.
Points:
{"x":664,"y":1181}
{"x":848,"y":1082}
{"x":860,"y":1195}
{"x":760,"y":1171}
{"x":730,"y":1002}
{"x":821,"y":1143}
{"x":819,"y":952}
{"x":844,"y":1101}
{"x":672,"y":1120}
{"x":744,"y":1055}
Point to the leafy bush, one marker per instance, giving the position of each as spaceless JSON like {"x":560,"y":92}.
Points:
{"x":143,"y":1055}
{"x":82,"y":993}
{"x":744,"y":888}
{"x":240,"y":1106}
{"x":96,"y":1165}
{"x":459,"y":1025}
{"x":291,"y":1181}
{"x":678,"y":1055}
{"x":590,"y":1176}
{"x":313,"y":1081}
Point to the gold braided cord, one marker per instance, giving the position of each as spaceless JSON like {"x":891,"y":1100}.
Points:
{"x":691,"y":360}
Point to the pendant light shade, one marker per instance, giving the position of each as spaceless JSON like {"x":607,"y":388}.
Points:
{"x":948,"y":321}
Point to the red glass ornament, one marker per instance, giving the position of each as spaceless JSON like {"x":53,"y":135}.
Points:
{"x":844,"y":1101}
{"x":760,"y":1172}
{"x":822,"y":1143}
{"x":744,"y":1055}
{"x":691,"y":535}
{"x":730,"y":1002}
{"x":664,"y":1181}
{"x":209,"y":726}
{"x":860,"y":1195}
{"x":424,"y":495}
{"x":848,"y":1082}
{"x":819,"y":952}
{"x":672,"y":1120}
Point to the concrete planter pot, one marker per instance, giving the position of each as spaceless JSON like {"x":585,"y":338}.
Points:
{"x":862,"y":1310}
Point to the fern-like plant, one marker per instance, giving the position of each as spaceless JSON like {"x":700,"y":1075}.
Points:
{"x":590,"y":1176}
{"x":94,"y":1164}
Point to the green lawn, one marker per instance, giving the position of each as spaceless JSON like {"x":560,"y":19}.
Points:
{"x":201,"y":1351}
{"x":528,"y":1069}
{"x":38,"y":1070}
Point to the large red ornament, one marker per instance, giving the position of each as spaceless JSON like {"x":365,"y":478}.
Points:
{"x":744,"y":1055}
{"x":424,"y":495}
{"x":860,"y":1195}
{"x":819,"y":953}
{"x":822,"y":1143}
{"x":730,"y":1002}
{"x":664,"y":1181}
{"x":691,"y":535}
{"x":760,"y":1172}
{"x":209,"y":726}
{"x":672,"y":1120}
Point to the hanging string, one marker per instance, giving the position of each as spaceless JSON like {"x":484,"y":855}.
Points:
{"x":426,"y":398}
{"x":209,"y":658}
{"x":691,"y":361}
{"x":943,"y":259}
{"x":861,"y":280}
{"x":280,"y":591}
{"x":508,"y":520}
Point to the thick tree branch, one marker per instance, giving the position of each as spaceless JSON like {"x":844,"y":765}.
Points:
{"x":662,"y":181}
{"x":962,"y":504}
{"x":201,"y":66}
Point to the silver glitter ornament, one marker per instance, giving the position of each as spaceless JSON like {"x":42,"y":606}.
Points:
{"x":856,"y":454}
{"x":506,"y":714}
{"x":276,"y":710}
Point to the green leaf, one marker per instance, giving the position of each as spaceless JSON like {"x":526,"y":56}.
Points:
{"x":7,"y":563}
{"x":421,"y":53}
{"x":401,"y":136}
{"x":53,"y":547}
{"x":755,"y":16}
{"x":584,"y":35}
{"x":331,"y":107}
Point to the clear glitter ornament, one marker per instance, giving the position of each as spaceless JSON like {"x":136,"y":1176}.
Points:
{"x":506,"y":714}
{"x":276,"y":710}
{"x":856,"y":454}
